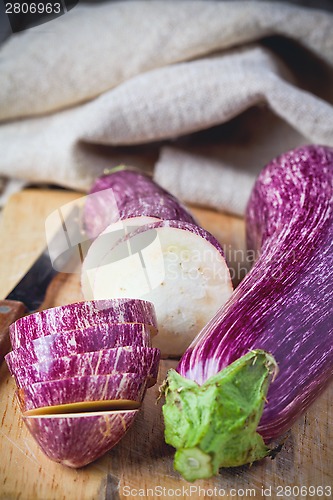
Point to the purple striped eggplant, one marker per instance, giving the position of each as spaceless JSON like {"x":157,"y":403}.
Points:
{"x":184,"y":275}
{"x":78,"y":439}
{"x":124,"y":192}
{"x":103,"y":362}
{"x":190,"y":262}
{"x":165,"y":207}
{"x":74,"y":364}
{"x":214,"y":411}
{"x":78,"y":341}
{"x":79,"y":316}
{"x":59,"y":396}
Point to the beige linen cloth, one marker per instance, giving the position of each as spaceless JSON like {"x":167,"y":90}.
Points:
{"x":203,"y":92}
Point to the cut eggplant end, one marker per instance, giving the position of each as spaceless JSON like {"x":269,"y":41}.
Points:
{"x":178,"y":267}
{"x":84,"y":407}
{"x":77,"y":439}
{"x":193,"y":464}
{"x":102,"y":245}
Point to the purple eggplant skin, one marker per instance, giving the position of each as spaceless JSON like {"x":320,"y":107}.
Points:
{"x":125,"y":186}
{"x":284,"y":304}
{"x":121,"y":359}
{"x":81,"y":315}
{"x":78,"y":341}
{"x":112,"y":387}
{"x":165,"y":207}
{"x":76,"y":440}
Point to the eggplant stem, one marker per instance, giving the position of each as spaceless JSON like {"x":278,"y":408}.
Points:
{"x":215,"y":425}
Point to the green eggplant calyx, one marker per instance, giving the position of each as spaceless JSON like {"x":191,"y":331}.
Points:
{"x":214,"y":425}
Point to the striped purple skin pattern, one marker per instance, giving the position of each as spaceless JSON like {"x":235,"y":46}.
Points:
{"x":103,"y":362}
{"x":127,"y":184}
{"x":284,"y":304}
{"x":85,"y":437}
{"x":81,"y":315}
{"x":116,"y":386}
{"x":78,"y":341}
{"x":125,"y":187}
{"x":164,"y":207}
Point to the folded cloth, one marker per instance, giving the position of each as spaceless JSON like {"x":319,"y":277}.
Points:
{"x":182,"y":172}
{"x":220,"y":173}
{"x":130,"y":81}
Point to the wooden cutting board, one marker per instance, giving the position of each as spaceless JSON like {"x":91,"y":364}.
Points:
{"x":141,"y":465}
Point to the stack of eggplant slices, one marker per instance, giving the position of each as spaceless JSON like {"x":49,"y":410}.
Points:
{"x":82,"y":369}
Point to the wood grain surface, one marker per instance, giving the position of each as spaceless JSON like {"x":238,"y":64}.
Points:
{"x":141,"y":465}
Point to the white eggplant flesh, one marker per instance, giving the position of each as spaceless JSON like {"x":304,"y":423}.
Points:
{"x":177,"y":266}
{"x":106,"y":240}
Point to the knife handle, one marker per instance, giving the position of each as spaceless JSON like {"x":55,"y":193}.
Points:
{"x":10,"y":310}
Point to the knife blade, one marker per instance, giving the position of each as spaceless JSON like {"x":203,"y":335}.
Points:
{"x":28,"y":295}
